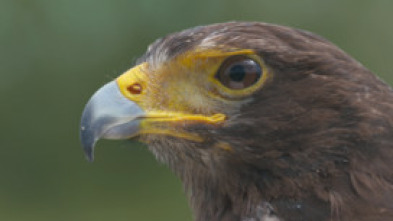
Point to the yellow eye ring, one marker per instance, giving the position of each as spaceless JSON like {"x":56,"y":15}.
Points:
{"x":239,"y":72}
{"x":240,"y":75}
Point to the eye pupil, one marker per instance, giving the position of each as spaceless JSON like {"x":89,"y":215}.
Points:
{"x":239,"y":72}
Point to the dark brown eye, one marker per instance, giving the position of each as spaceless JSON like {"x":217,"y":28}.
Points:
{"x":239,"y":72}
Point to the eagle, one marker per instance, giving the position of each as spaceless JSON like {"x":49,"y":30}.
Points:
{"x":260,"y":122}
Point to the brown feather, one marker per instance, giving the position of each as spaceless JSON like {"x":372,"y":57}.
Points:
{"x":314,"y":144}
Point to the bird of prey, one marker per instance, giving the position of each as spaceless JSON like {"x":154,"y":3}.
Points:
{"x":260,"y":122}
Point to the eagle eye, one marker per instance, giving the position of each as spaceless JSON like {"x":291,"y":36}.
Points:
{"x":239,"y":72}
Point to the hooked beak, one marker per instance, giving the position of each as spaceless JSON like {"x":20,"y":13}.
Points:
{"x":109,"y":115}
{"x":115,"y":112}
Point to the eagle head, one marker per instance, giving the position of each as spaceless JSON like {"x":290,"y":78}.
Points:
{"x":259,"y":121}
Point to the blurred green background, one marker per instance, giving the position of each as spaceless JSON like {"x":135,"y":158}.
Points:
{"x":55,"y":54}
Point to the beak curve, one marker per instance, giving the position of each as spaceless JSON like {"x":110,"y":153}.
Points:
{"x":109,"y":115}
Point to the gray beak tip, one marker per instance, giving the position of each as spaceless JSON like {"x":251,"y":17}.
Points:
{"x":89,"y":155}
{"x":88,"y":142}
{"x":109,"y":115}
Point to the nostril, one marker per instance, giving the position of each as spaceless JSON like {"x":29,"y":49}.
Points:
{"x":135,"y":88}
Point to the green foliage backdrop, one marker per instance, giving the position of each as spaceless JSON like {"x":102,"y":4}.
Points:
{"x":55,"y":54}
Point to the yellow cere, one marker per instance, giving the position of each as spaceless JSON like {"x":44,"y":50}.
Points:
{"x":165,"y":89}
{"x":135,"y":75}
